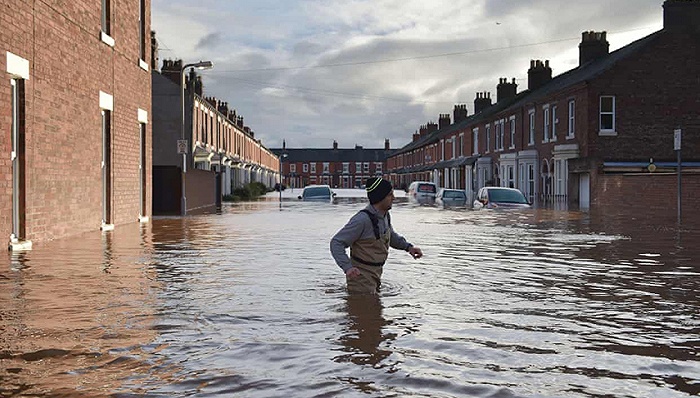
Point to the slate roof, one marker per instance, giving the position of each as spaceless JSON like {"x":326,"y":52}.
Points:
{"x":333,"y":155}
{"x":573,"y":77}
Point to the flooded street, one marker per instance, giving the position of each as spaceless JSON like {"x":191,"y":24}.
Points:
{"x":536,"y":303}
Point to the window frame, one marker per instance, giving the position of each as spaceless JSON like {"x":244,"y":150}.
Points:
{"x":546,"y":120}
{"x":531,"y":138}
{"x":511,"y":122}
{"x":571,"y":128}
{"x":475,"y":141}
{"x":604,"y":131}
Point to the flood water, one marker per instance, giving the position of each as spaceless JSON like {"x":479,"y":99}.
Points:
{"x":249,"y":303}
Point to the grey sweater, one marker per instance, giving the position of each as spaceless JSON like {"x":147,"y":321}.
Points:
{"x":360,"y":227}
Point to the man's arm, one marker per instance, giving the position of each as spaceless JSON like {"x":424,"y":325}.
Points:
{"x":399,"y":242}
{"x":344,"y":238}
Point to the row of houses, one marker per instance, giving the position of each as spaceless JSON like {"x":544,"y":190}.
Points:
{"x":89,"y":141}
{"x":337,"y":167}
{"x":581,"y":137}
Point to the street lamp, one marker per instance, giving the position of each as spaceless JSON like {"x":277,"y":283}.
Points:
{"x":282,"y":156}
{"x":199,"y":65}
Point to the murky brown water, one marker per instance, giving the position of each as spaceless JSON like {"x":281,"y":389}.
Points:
{"x":249,"y":303}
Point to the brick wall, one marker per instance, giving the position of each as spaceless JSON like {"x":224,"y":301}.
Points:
{"x":200,"y":189}
{"x":621,"y":192}
{"x":69,"y":66}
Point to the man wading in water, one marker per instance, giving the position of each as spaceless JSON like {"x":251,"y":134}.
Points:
{"x":369,"y":235}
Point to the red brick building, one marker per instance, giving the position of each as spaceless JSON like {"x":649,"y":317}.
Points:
{"x":222,"y":152}
{"x":74,"y":115}
{"x":565,"y":138}
{"x":337,"y":167}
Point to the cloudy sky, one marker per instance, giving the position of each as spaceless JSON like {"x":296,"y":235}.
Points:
{"x":359,"y":71}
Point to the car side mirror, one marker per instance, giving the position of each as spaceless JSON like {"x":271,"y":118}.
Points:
{"x":334,"y":194}
{"x":299,"y":197}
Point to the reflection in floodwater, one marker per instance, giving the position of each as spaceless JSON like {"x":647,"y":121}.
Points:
{"x":248,"y":302}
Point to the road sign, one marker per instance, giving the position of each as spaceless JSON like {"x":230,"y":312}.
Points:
{"x":181,"y":147}
{"x":677,"y":139}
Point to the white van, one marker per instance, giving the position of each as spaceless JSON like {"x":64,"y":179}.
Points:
{"x":422,"y":192}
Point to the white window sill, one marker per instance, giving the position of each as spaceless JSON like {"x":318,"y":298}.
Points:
{"x":511,"y":147}
{"x":143,"y":219}
{"x":107,"y":39}
{"x":20,"y":246}
{"x":607,"y":133}
{"x":107,"y":227}
{"x":570,"y":137}
{"x":143,"y":65}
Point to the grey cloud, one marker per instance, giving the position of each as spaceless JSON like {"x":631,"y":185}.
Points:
{"x":209,"y":41}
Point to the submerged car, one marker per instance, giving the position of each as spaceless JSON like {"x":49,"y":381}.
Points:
{"x":451,"y":197}
{"x":317,"y":193}
{"x":422,"y":192}
{"x":499,"y":197}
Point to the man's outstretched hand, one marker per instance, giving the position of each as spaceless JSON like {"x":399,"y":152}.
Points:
{"x":415,"y":252}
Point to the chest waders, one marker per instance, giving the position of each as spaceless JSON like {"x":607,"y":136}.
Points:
{"x":368,"y":256}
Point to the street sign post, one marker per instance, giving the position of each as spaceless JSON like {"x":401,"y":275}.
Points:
{"x":181,"y":147}
{"x":677,"y":147}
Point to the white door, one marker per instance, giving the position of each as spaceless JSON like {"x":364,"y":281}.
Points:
{"x":584,"y":189}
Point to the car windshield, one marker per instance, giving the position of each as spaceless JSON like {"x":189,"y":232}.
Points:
{"x":454,"y":195}
{"x":315,"y":192}
{"x":426,"y":188}
{"x":506,"y":196}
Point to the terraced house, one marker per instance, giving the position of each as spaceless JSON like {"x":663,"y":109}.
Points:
{"x":597,"y":134}
{"x":75,"y":100}
{"x":220,"y":153}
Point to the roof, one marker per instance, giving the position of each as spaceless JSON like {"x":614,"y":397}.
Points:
{"x":581,"y":74}
{"x":358,"y":154}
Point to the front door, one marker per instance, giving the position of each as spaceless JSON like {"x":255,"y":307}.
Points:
{"x":584,"y":187}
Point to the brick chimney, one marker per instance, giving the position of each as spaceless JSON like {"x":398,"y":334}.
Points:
{"x":683,"y":15}
{"x":171,"y":69}
{"x":386,"y":144}
{"x":593,"y":45}
{"x":239,"y":122}
{"x":432,"y":127}
{"x":460,"y":113}
{"x":212,"y":101}
{"x":416,"y":136}
{"x":198,"y":86}
{"x":505,"y":90}
{"x":246,"y":129}
{"x":482,"y":101}
{"x":423,"y":130}
{"x":231,"y":116}
{"x":539,"y":74}
{"x":284,"y":144}
{"x":444,"y":121}
{"x":154,"y":51}
{"x":223,"y":108}
{"x":335,"y":144}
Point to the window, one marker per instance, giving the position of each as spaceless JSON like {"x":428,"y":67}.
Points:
{"x":142,"y":29}
{"x":607,"y":114}
{"x":293,"y":168}
{"x":554,"y":123}
{"x":378,"y":167}
{"x":106,"y":22}
{"x":572,"y":120}
{"x":501,"y":133}
{"x":461,"y":144}
{"x":454,"y":147}
{"x":326,"y":166}
{"x":497,"y":127}
{"x":512,"y":132}
{"x":442,"y":151}
{"x":358,"y":167}
{"x":475,"y":141}
{"x":531,"y":140}
{"x":365,"y":167}
{"x":488,"y":138}
{"x":313,"y":168}
{"x":346,"y":168}
{"x":545,"y":132}
{"x":305,"y":167}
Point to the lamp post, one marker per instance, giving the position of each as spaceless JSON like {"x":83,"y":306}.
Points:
{"x":282,"y":156}
{"x":199,"y":65}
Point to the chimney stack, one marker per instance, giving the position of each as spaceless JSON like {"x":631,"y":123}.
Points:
{"x":593,"y":45}
{"x":682,"y":15}
{"x":423,"y":130}
{"x":284,"y":144}
{"x":505,"y":90}
{"x":460,"y":113}
{"x":171,"y":70}
{"x":482,"y":101}
{"x":239,"y":122}
{"x":223,"y":108}
{"x":386,"y":144}
{"x":416,"y":136}
{"x":444,"y":121}
{"x":432,"y":127}
{"x":539,"y":74}
{"x":335,"y":144}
